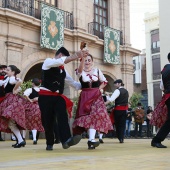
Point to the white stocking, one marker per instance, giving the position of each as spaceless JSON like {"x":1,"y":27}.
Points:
{"x":92,"y":133}
{"x":34,"y":134}
{"x":23,"y":133}
{"x":15,"y":130}
{"x":100,"y":135}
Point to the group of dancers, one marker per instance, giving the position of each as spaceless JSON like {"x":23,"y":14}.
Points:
{"x":44,"y":107}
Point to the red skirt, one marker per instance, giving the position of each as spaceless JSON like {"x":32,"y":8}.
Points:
{"x":12,"y":107}
{"x":91,"y":112}
{"x":33,"y":116}
{"x":159,"y":115}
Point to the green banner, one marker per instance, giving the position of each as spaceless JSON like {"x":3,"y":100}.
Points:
{"x":52,"y":27}
{"x":111,"y":46}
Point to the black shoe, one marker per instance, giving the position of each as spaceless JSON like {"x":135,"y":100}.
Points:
{"x":158,"y":145}
{"x":121,"y":140}
{"x":72,"y":141}
{"x":14,"y":144}
{"x":49,"y":147}
{"x":101,"y":141}
{"x":92,"y":145}
{"x":34,"y":142}
{"x":57,"y":141}
{"x":18,"y":145}
{"x":1,"y":139}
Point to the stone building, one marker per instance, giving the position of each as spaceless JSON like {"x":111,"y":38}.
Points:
{"x":20,"y":28}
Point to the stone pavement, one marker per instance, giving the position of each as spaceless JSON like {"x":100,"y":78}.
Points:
{"x":133,"y":154}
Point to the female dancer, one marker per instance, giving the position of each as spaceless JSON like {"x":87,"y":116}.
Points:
{"x":12,"y":113}
{"x":32,"y":111}
{"x":91,"y":113}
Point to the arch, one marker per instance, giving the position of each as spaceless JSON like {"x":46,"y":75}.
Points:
{"x":110,"y":78}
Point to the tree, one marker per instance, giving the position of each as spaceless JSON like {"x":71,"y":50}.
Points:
{"x":135,"y":99}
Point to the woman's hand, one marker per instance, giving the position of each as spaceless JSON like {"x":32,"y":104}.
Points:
{"x":15,"y":91}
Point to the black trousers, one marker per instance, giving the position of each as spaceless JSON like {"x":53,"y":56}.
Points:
{"x":136,"y":129}
{"x":120,"y":123}
{"x":165,"y":129}
{"x":54,"y":108}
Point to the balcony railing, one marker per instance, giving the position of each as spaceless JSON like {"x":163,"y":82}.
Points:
{"x":33,"y":8}
{"x":97,"y":29}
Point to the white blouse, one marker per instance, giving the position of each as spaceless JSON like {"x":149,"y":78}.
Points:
{"x":11,"y":80}
{"x":27,"y":92}
{"x":93,"y":75}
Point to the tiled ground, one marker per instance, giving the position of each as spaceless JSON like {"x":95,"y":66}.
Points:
{"x":134,"y":154}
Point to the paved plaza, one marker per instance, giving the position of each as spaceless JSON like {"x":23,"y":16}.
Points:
{"x":134,"y":154}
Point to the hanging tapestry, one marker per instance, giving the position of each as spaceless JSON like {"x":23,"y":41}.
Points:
{"x":52,"y":27}
{"x":111,"y":46}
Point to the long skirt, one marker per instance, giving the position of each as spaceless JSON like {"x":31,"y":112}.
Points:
{"x":33,"y":116}
{"x":159,"y":115}
{"x":91,"y":112}
{"x":12,"y":107}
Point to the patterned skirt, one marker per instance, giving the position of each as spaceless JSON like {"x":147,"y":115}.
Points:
{"x":91,"y":112}
{"x":33,"y":116}
{"x":159,"y":115}
{"x":12,"y":107}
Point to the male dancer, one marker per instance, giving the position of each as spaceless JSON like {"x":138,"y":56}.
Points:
{"x":120,"y":96}
{"x":51,"y":101}
{"x":2,"y":92}
{"x":165,"y":86}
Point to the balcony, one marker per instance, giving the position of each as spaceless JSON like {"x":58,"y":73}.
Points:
{"x":33,"y":8}
{"x":97,"y":29}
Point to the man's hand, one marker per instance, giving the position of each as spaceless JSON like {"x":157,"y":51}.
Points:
{"x":82,"y":53}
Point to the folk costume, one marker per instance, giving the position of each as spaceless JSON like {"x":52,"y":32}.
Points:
{"x":91,"y":113}
{"x":165,"y":129}
{"x":120,"y":96}
{"x":53,"y":103}
{"x":12,"y":112}
{"x":32,"y":112}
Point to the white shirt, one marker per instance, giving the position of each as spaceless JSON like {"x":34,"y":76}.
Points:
{"x":115,"y":95}
{"x":53,"y":62}
{"x":12,"y":80}
{"x":161,"y":85}
{"x":27,"y":92}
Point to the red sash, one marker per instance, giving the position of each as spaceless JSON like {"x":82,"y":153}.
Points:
{"x":69,"y":103}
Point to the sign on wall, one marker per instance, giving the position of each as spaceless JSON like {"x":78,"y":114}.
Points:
{"x":111,"y":46}
{"x":52,"y":27}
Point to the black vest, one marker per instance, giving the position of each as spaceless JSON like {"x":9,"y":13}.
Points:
{"x":9,"y":88}
{"x":166,"y":78}
{"x":123,"y":97}
{"x":53,"y":80}
{"x":93,"y":84}
{"x":33,"y":94}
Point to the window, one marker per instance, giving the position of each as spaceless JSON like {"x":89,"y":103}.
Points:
{"x":100,"y":16}
{"x":155,"y":43}
{"x":156,"y":67}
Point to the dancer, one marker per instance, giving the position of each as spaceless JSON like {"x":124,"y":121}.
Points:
{"x":32,"y":111}
{"x":120,"y":96}
{"x":2,"y":91}
{"x":165,"y":87}
{"x":51,"y":101}
{"x":91,"y":113}
{"x":12,"y":113}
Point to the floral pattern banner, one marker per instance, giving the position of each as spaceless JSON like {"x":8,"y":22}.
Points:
{"x":52,"y":27}
{"x":111,"y":46}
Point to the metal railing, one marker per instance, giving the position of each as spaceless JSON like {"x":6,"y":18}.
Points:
{"x":33,"y":8}
{"x":97,"y":29}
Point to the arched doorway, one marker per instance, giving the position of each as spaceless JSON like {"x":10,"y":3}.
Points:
{"x":110,"y":86}
{"x":34,"y":72}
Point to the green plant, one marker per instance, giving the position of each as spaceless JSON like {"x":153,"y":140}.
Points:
{"x":75,"y":101}
{"x":25,"y":85}
{"x":135,"y":99}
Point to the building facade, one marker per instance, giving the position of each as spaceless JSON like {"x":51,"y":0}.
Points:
{"x":153,"y":58}
{"x":20,"y":27}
